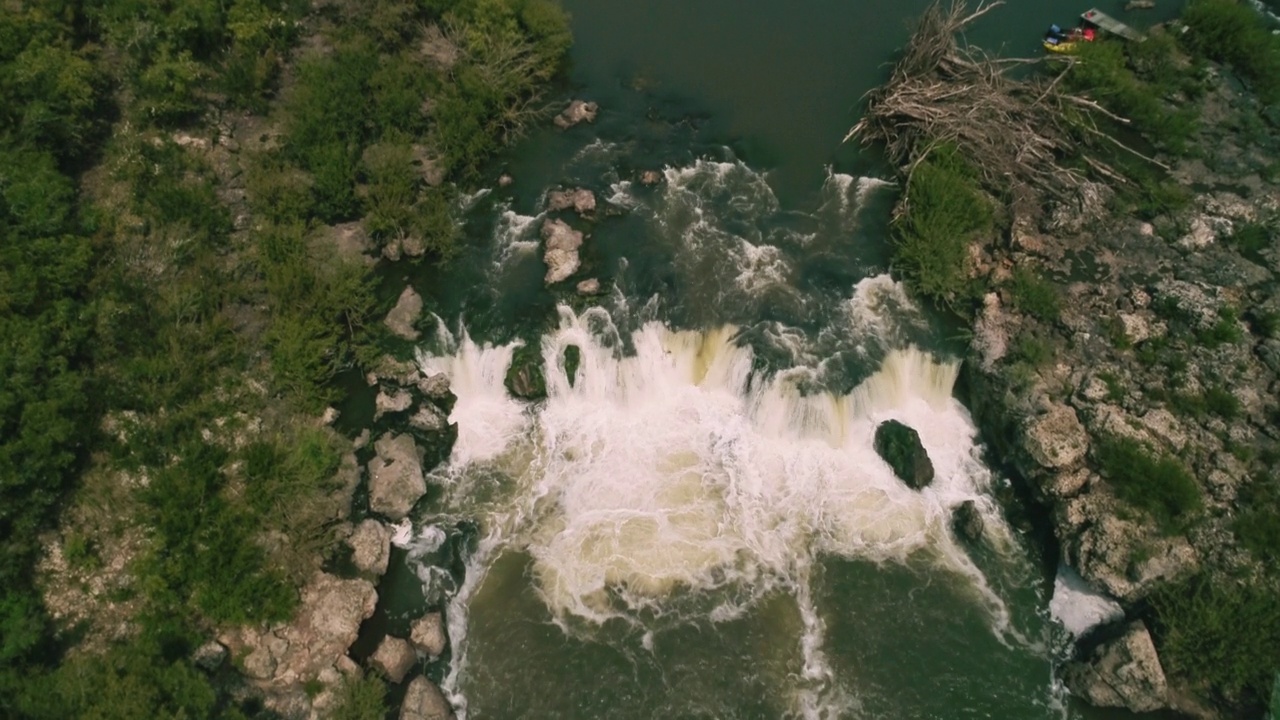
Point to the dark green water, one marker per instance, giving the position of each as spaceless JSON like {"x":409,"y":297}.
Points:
{"x":669,"y":539}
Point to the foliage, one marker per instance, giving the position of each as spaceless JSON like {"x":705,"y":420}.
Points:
{"x":1034,"y":295}
{"x":1232,"y":32}
{"x":1258,"y":524}
{"x":361,"y":699}
{"x":1226,"y":330}
{"x":1222,"y":631}
{"x":945,"y":211}
{"x":1251,"y":239}
{"x":1159,"y":484}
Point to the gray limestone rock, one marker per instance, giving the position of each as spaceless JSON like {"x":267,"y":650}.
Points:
{"x":402,"y":317}
{"x":394,"y":657}
{"x":561,"y":250}
{"x":424,"y":701}
{"x":428,"y":634}
{"x":1124,"y":672}
{"x":395,"y":476}
{"x":371,"y":547}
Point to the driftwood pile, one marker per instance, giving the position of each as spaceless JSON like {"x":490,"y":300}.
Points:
{"x":1016,"y":131}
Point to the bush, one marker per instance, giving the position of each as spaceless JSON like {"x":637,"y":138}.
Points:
{"x":1160,"y":485}
{"x":1232,"y":32}
{"x":1224,"y":632}
{"x":361,"y":699}
{"x":945,"y":212}
{"x":1223,"y":332}
{"x":1034,"y":295}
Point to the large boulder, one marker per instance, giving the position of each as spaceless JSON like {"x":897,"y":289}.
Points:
{"x":560,"y":251}
{"x":395,"y":402}
{"x":967,"y":522}
{"x":1056,"y":439}
{"x":371,"y":547}
{"x":1124,"y":672}
{"x":900,"y":446}
{"x":578,"y":111}
{"x":580,"y":200}
{"x":428,"y":634}
{"x":394,"y":657}
{"x":396,"y":481}
{"x":424,"y":701}
{"x":402,"y":317}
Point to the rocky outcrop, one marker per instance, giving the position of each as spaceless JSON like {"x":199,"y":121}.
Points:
{"x":1124,"y":672}
{"x":1056,"y":440}
{"x":314,"y":644}
{"x":590,"y":286}
{"x":967,"y":522}
{"x":371,"y":547}
{"x":428,"y":634}
{"x":210,"y":656}
{"x":900,"y":446}
{"x":394,"y":658}
{"x":560,"y":250}
{"x":395,"y":402}
{"x":395,"y":476}
{"x":402,"y":317}
{"x":424,"y":701}
{"x":577,"y":112}
{"x":579,"y":200}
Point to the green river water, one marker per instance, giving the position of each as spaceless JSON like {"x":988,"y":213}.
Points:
{"x":697,"y":526}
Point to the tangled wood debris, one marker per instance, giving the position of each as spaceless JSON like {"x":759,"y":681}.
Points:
{"x":1017,"y":131}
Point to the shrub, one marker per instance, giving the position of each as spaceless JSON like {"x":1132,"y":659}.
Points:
{"x":1222,"y":403}
{"x":1160,"y":485}
{"x":1225,"y":331}
{"x":1251,"y":239}
{"x":361,"y":699}
{"x":945,"y":211}
{"x":1232,"y":32}
{"x":1034,"y":295}
{"x":1033,"y":350}
{"x":1221,"y":631}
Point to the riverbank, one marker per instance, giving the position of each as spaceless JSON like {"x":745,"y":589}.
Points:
{"x":1123,"y":305}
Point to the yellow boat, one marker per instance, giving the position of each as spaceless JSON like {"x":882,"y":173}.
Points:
{"x":1066,"y":46}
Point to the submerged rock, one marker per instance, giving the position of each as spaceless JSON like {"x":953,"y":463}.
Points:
{"x":900,"y":446}
{"x":967,"y":522}
{"x":402,"y":317}
{"x":424,"y":701}
{"x":580,"y":200}
{"x":578,"y":111}
{"x":395,"y":476}
{"x":1124,"y":672}
{"x":590,"y":286}
{"x":560,"y":252}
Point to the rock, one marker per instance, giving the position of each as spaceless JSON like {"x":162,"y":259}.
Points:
{"x":1124,"y":672}
{"x":578,"y":111}
{"x":424,"y":701}
{"x":371,"y":547}
{"x":991,"y":332}
{"x":395,"y":476}
{"x":394,"y":657}
{"x":431,"y":170}
{"x":428,"y":419}
{"x":348,"y":241}
{"x":650,"y":177}
{"x":361,"y":440}
{"x":505,"y":180}
{"x":210,"y":656}
{"x":1124,"y":558}
{"x":900,"y":446}
{"x":967,"y":522}
{"x":561,"y":250}
{"x":525,"y":378}
{"x":1142,"y":326}
{"x":1139,"y":5}
{"x":402,"y":317}
{"x":330,"y":416}
{"x":392,"y":250}
{"x":435,"y":387}
{"x":580,"y":200}
{"x":590,"y":286}
{"x":1205,"y":230}
{"x":428,"y":634}
{"x":384,"y":403}
{"x":1056,"y":439}
{"x":413,"y":246}
{"x":1087,"y":207}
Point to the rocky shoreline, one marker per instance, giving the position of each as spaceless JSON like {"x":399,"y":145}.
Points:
{"x":1163,"y":337}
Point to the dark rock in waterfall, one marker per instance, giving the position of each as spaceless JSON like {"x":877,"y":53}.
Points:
{"x":967,"y":522}
{"x":525,"y":378}
{"x":900,"y":446}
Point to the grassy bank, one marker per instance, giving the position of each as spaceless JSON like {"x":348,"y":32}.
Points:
{"x":170,"y":321}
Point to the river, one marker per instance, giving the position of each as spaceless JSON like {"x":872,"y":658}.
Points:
{"x":695,"y":523}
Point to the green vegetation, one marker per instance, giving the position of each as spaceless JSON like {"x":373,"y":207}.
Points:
{"x":945,"y":212}
{"x":1034,"y":295}
{"x":1258,"y":524}
{"x":1226,"y":330}
{"x":1232,"y":32}
{"x":1251,"y":240}
{"x":1158,"y":484}
{"x":150,"y":277}
{"x":1221,"y":631}
{"x":1115,"y":390}
{"x":361,"y":699}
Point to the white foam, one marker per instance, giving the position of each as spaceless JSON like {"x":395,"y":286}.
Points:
{"x":515,"y":234}
{"x":881,"y":312}
{"x":1078,"y":607}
